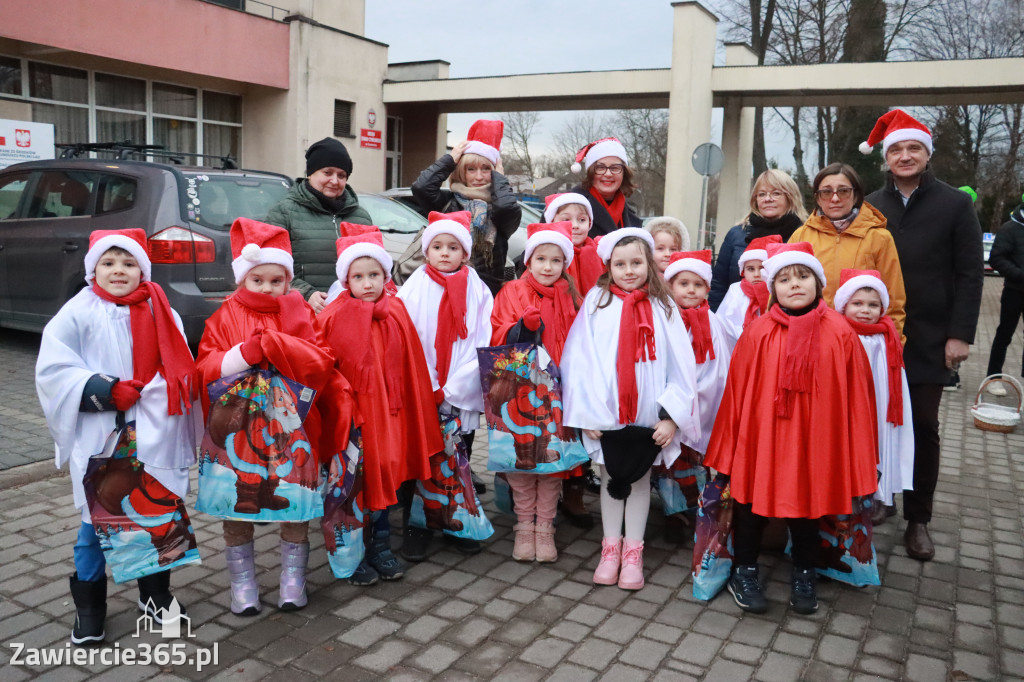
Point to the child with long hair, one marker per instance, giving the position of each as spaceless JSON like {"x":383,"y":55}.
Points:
{"x":630,"y":384}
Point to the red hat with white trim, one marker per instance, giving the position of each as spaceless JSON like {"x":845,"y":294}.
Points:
{"x":697,"y":262}
{"x":361,"y":243}
{"x":132,"y":240}
{"x":553,"y":203}
{"x":588,"y":154}
{"x":485,"y":139}
{"x":757,"y":249}
{"x":783,"y":255}
{"x":456,"y":224}
{"x":896,"y":126}
{"x":559,"y":234}
{"x":851,"y":281}
{"x":254,"y":243}
{"x":608,"y":242}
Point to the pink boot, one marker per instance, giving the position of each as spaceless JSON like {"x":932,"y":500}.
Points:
{"x":607,"y":572}
{"x":632,"y":575}
{"x":525,"y":548}
{"x":546,"y":551}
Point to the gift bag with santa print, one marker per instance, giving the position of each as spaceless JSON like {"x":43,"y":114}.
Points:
{"x":712,"y":543}
{"x":680,"y":484}
{"x":345,"y":516}
{"x":447,"y":501}
{"x":255,"y":461}
{"x":523,"y":408}
{"x":142,"y":527}
{"x":847,"y":549}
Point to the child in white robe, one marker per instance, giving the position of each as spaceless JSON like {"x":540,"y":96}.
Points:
{"x":747,"y":299}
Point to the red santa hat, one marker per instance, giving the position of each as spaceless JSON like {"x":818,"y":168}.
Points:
{"x":132,"y":240}
{"x":367,"y":241}
{"x":553,"y":203}
{"x":254,"y":243}
{"x":783,"y":255}
{"x":851,"y":281}
{"x":697,"y":262}
{"x":896,"y":126}
{"x":559,"y":234}
{"x":456,"y":224}
{"x":588,"y":154}
{"x":608,"y":242}
{"x":485,"y":140}
{"x":757,"y":249}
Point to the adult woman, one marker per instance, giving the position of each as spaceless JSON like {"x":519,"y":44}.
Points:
{"x":477,"y":185}
{"x":607,"y":185}
{"x":311,"y":213}
{"x":775,"y":208}
{"x":848,"y":232}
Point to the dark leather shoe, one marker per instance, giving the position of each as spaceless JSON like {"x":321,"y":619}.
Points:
{"x":918,"y":542}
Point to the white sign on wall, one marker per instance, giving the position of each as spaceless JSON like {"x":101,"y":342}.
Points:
{"x":24,"y":141}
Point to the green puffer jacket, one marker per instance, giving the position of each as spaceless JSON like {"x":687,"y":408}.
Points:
{"x":314,"y":230}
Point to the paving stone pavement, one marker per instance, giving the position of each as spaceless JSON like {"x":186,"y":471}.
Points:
{"x":959,"y":617}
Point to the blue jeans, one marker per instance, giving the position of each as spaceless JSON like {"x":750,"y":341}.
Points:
{"x":89,"y":562}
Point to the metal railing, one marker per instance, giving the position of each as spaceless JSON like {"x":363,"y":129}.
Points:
{"x":260,"y":9}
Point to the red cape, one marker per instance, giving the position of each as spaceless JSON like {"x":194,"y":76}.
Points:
{"x":509,"y":305}
{"x":307,"y":361}
{"x":396,"y":447}
{"x":813,"y":463}
{"x":586,"y":267}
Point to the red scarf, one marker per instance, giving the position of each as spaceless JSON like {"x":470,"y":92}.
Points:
{"x":586,"y":265}
{"x":636,"y":344}
{"x":757,"y":300}
{"x":614,"y":209}
{"x":697,"y":321}
{"x":894,"y":360}
{"x":291,"y":309}
{"x":557,"y":310}
{"x":451,"y":317}
{"x":351,"y":340}
{"x":157,"y":344}
{"x":799,"y":357}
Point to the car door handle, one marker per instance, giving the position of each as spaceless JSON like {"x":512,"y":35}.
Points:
{"x":68,"y":248}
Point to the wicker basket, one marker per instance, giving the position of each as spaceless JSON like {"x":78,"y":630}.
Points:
{"x":997,"y":418}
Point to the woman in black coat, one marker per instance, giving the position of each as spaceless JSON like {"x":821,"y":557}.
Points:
{"x":607,"y":185}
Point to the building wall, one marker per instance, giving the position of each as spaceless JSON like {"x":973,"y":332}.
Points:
{"x":347,"y":15}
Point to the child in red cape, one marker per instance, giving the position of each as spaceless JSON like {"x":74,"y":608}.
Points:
{"x":542,"y":302}
{"x":265,"y":322}
{"x":378,"y":351}
{"x":585,"y":266}
{"x":796,"y":429}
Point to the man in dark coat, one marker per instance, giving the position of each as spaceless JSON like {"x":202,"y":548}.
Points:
{"x":938,"y":239}
{"x":1007,"y":258}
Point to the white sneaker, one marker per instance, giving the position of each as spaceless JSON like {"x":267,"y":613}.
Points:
{"x":996,"y":389}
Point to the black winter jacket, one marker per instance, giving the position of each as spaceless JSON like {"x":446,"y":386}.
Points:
{"x":938,"y":239}
{"x":505,"y":213}
{"x":1007,"y":255}
{"x":603,"y":223}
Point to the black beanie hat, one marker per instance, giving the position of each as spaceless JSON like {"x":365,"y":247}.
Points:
{"x":328,"y":152}
{"x":628,"y":453}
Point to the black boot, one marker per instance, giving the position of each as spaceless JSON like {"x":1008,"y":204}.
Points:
{"x":90,"y":610}
{"x":155,"y":595}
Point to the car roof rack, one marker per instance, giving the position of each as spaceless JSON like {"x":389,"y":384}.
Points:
{"x":127,"y":149}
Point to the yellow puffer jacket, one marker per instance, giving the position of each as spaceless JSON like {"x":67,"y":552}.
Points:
{"x":864,"y":245}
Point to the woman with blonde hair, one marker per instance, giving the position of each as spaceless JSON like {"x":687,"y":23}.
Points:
{"x":776,"y":207}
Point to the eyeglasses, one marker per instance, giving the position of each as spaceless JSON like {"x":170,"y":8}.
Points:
{"x":826,"y":194}
{"x":774,"y":194}
{"x":601,"y":169}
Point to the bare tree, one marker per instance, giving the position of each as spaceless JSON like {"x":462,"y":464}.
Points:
{"x":583,"y":127}
{"x":644,"y":134}
{"x":520,"y":127}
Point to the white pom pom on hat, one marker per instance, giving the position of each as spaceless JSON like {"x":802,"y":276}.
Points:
{"x":251,"y":253}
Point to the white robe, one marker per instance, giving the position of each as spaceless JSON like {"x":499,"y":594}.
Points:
{"x":895,"y":443}
{"x":731,"y":312}
{"x":422,"y":298}
{"x":91,"y":336}
{"x":711,"y":377}
{"x":590,"y":382}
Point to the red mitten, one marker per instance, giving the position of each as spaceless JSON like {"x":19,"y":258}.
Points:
{"x":251,"y":348}
{"x":531,"y":318}
{"x":126,"y":393}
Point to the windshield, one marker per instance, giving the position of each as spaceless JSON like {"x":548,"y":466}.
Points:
{"x":391,"y":216}
{"x":215,"y":200}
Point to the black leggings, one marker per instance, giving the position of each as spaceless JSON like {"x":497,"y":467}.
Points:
{"x":747,"y":528}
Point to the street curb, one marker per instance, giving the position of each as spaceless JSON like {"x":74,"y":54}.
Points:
{"x":29,"y":473}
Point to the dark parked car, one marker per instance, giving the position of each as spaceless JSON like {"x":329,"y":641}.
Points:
{"x":48,"y":209}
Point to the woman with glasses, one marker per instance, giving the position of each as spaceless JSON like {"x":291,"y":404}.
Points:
{"x":848,"y":232}
{"x":775,"y":208}
{"x":607,"y":184}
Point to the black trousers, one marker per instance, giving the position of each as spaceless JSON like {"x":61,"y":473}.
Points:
{"x":1011,"y":307}
{"x":748,"y":527}
{"x":924,"y":404}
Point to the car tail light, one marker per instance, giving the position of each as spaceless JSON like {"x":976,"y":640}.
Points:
{"x":175,"y":245}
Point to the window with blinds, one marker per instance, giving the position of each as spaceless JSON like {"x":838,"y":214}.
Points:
{"x":343,"y":118}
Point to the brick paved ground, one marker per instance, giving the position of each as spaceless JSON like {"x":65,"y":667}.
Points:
{"x":959,"y":617}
